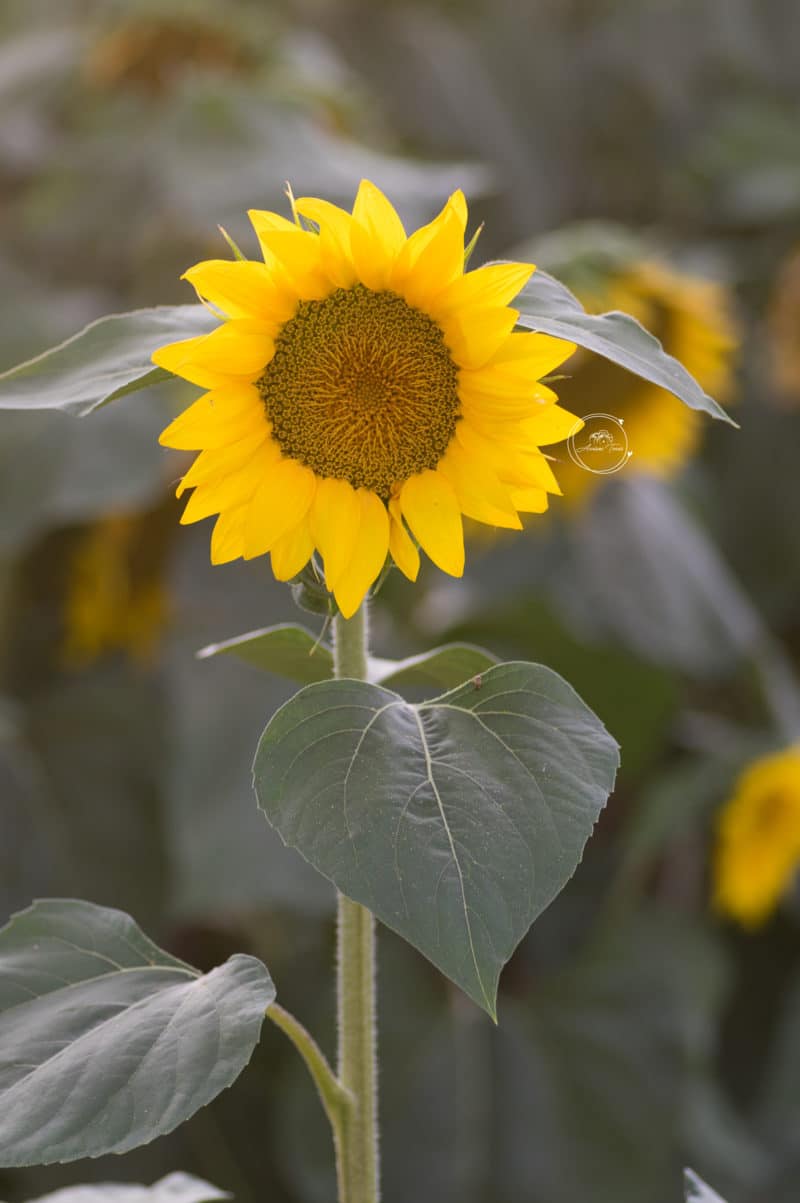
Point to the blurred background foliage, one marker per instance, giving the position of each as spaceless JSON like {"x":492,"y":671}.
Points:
{"x":647,"y":152}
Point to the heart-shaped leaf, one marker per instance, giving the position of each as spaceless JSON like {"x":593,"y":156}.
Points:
{"x":547,"y":305}
{"x":456,"y":821}
{"x":293,"y":651}
{"x":106,"y":1042}
{"x":106,"y":360}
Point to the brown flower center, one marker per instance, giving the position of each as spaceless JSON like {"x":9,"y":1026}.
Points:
{"x":362,"y":388}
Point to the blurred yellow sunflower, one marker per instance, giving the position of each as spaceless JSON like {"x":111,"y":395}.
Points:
{"x":758,"y":839}
{"x":693,"y":319}
{"x":783,"y":324}
{"x":116,"y":598}
{"x":363,"y":389}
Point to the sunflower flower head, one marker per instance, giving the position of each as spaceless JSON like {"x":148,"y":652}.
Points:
{"x":363,"y":393}
{"x":758,"y":839}
{"x":692,"y":317}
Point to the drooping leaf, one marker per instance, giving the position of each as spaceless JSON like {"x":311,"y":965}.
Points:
{"x":175,"y":1188}
{"x":292,"y":651}
{"x":288,"y":650}
{"x":456,"y":821}
{"x":106,"y":360}
{"x":443,"y":667}
{"x":697,"y":1191}
{"x":106,"y":1042}
{"x":547,"y":305}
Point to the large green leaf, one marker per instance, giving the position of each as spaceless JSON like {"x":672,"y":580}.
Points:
{"x":108,"y":359}
{"x":548,"y":306}
{"x":106,"y":1042}
{"x":175,"y":1188}
{"x":295,"y":652}
{"x":456,"y":821}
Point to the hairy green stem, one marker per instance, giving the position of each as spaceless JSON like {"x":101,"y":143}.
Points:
{"x":336,"y":1100}
{"x":359,"y":1168}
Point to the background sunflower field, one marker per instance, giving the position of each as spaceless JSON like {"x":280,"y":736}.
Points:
{"x":646,"y":152}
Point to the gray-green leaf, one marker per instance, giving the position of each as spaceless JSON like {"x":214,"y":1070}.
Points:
{"x":108,"y":359}
{"x":106,"y":1042}
{"x":175,"y":1188}
{"x":456,"y":821}
{"x":292,"y":651}
{"x":697,"y":1191}
{"x":547,"y":305}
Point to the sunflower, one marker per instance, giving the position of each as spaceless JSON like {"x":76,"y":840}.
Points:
{"x":758,"y":846}
{"x":364,"y":392}
{"x":692,"y":318}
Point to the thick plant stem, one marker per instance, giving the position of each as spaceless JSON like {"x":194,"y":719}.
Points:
{"x":359,"y":1168}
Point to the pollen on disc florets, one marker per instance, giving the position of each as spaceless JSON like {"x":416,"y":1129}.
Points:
{"x":363,"y":388}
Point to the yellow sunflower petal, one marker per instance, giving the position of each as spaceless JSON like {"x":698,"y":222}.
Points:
{"x":494,"y":284}
{"x":402,"y":548}
{"x":430,"y":508}
{"x":291,"y":552}
{"x":265,"y":223}
{"x":217,"y":495}
{"x":502,"y":455}
{"x":240,"y":347}
{"x":227,"y":538}
{"x":280,"y":502}
{"x":240,"y":289}
{"x":334,"y":231}
{"x":295,"y":254}
{"x":334,"y":522}
{"x":479,"y":492}
{"x":376,"y":236}
{"x":433,"y":256}
{"x":220,"y":463}
{"x":550,"y":424}
{"x":210,"y":423}
{"x":491,"y":414}
{"x":369,"y":554}
{"x":530,"y":501}
{"x":532,"y":354}
{"x":475,"y":335}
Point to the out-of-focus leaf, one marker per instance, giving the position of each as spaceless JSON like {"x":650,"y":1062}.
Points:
{"x":295,"y":652}
{"x":642,"y":572}
{"x":218,"y":714}
{"x":592,"y":1072}
{"x":96,"y":746}
{"x":108,"y":359}
{"x":106,"y":1041}
{"x":456,"y":821}
{"x":175,"y":1188}
{"x":698,"y":1191}
{"x":777,"y":1112}
{"x":548,"y":306}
